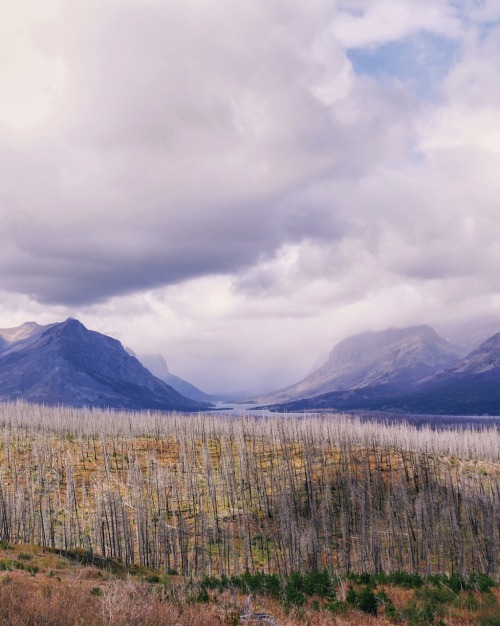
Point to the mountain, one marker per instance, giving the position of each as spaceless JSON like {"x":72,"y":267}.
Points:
{"x":157,"y":365}
{"x":14,"y":338}
{"x":68,"y":364}
{"x":472,"y":331}
{"x":393,"y":359}
{"x":469,"y":387}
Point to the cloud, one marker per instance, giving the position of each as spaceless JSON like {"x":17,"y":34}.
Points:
{"x":182,"y":137}
{"x":173,"y":154}
{"x":238,"y":184}
{"x":364,"y":23}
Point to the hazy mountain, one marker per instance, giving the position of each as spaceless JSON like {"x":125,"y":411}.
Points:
{"x":395,"y":359}
{"x":12,"y":339}
{"x":157,"y":365}
{"x":319,"y":362}
{"x":67,"y":364}
{"x":470,"y":332}
{"x":469,"y":387}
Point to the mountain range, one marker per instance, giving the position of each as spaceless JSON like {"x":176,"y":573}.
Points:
{"x":409,"y":370}
{"x":65,"y":363}
{"x":393,"y":358}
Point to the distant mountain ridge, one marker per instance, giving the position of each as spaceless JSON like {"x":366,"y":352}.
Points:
{"x":12,"y":339}
{"x":65,"y":363}
{"x":395,"y":358}
{"x":471,"y":386}
{"x":157,"y":365}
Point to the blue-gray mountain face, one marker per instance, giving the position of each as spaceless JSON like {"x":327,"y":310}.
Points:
{"x":67,"y":364}
{"x":409,"y":374}
{"x":393,"y":360}
{"x":470,"y":387}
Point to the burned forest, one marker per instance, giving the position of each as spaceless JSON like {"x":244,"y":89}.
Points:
{"x":213,"y":495}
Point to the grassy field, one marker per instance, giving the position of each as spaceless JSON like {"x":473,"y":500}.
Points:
{"x":172,"y":511}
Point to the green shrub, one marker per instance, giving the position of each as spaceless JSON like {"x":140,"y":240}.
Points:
{"x":362,"y":579}
{"x":337,"y":607}
{"x":202,"y":596}
{"x":352,"y":596}
{"x":456,"y":583}
{"x":212,"y":582}
{"x":294,"y":589}
{"x":481,"y":582}
{"x":419,"y":614}
{"x":390,"y":611}
{"x":367,"y":601}
{"x":258,"y":583}
{"x":318,"y":584}
{"x":404,"y":579}
{"x":436,"y":595}
{"x":153,"y":578}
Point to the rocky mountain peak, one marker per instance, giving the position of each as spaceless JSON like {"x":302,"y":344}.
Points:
{"x":65,"y":363}
{"x":396,"y":357}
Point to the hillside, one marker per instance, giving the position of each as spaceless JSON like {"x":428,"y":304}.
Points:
{"x":392,"y":359}
{"x":469,"y":387}
{"x":215,"y":498}
{"x":66,"y":363}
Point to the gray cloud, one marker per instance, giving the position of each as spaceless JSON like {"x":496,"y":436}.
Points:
{"x":186,"y":143}
{"x":216,"y":173}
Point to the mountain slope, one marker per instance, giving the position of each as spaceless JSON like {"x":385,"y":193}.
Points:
{"x":13,"y":339}
{"x":157,"y":365}
{"x":469,"y":387}
{"x":394,"y":358}
{"x":67,"y":364}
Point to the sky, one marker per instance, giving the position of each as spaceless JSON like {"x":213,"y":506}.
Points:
{"x":240,"y":185}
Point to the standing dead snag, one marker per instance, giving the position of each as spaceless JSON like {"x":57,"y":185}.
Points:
{"x":247,"y":617}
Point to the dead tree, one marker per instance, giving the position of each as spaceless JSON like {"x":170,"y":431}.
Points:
{"x":249,"y":617}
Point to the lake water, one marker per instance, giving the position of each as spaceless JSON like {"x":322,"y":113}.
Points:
{"x":235,"y":408}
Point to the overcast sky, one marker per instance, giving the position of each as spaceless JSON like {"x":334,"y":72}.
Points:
{"x":240,"y":185}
